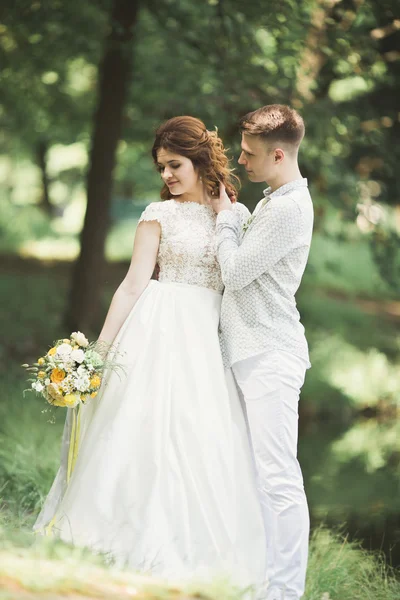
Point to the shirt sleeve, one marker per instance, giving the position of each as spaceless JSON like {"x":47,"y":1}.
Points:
{"x":243,"y":212}
{"x":275,"y":231}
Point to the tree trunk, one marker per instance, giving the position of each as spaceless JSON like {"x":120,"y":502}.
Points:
{"x":45,"y":203}
{"x":115,"y":75}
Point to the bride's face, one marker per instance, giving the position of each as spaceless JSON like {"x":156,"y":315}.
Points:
{"x":177,"y":172}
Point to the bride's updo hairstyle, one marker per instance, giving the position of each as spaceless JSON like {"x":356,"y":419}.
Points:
{"x":189,"y":137}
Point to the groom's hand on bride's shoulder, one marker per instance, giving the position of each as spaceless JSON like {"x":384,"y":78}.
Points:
{"x":223,"y":201}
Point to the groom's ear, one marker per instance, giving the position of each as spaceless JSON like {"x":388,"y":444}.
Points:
{"x":279,"y":155}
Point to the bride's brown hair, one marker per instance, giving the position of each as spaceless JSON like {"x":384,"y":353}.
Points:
{"x":189,"y":137}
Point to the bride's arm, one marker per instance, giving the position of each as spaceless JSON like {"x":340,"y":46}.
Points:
{"x":144,"y":257}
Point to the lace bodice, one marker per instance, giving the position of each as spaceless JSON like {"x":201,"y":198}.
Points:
{"x":188,"y":252}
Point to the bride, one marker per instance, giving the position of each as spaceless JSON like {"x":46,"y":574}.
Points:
{"x":164,"y":480}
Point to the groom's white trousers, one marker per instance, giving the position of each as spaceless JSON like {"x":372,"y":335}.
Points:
{"x":270,"y":384}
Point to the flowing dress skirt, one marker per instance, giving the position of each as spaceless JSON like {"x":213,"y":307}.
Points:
{"x":164,"y":481}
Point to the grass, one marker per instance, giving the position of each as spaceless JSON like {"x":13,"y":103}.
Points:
{"x":341,"y":570}
{"x":64,"y":572}
{"x":43,"y":568}
{"x":48,"y":569}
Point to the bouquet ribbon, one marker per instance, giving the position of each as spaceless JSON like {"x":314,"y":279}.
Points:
{"x":72,"y":455}
{"x":74,"y":441}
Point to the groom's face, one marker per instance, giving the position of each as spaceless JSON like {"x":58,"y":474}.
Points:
{"x":256,"y":158}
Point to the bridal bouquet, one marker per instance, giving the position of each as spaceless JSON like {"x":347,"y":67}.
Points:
{"x":71,"y":372}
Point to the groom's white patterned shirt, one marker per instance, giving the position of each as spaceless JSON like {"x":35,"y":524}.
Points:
{"x":262,"y":270}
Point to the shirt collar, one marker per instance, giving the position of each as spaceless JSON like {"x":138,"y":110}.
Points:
{"x":284,"y":189}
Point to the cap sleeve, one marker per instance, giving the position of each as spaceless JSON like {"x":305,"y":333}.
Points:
{"x":152,"y":212}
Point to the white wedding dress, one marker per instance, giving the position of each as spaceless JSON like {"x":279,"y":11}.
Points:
{"x":164,"y":481}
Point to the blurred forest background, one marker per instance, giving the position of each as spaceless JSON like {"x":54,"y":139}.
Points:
{"x":83,"y":86}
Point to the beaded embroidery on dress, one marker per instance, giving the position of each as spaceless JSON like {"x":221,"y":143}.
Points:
{"x":164,"y":481}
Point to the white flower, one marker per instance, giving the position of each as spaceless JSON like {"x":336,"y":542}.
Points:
{"x":64,"y":350}
{"x":81,"y":370}
{"x":82,"y":383}
{"x":68,"y":361}
{"x":80,"y":339}
{"x":38,"y":386}
{"x":78,"y":355}
{"x":252,"y":217}
{"x":47,"y":381}
{"x":67,"y":384}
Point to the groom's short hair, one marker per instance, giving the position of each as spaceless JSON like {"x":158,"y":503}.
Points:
{"x":275,"y":123}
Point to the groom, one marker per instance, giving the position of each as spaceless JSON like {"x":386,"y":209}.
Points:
{"x":262,"y":338}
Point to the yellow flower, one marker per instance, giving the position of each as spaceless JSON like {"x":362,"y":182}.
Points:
{"x":57,"y":375}
{"x":53,"y":390}
{"x":58,"y":402}
{"x":93,"y":394}
{"x":41,"y":374}
{"x":52,"y":351}
{"x":66,"y":341}
{"x":95,"y":381}
{"x":54,"y":393}
{"x":41,"y":361}
{"x":71,"y":400}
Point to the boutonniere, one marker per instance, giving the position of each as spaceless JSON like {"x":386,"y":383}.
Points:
{"x":248,"y":223}
{"x":253,"y":216}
